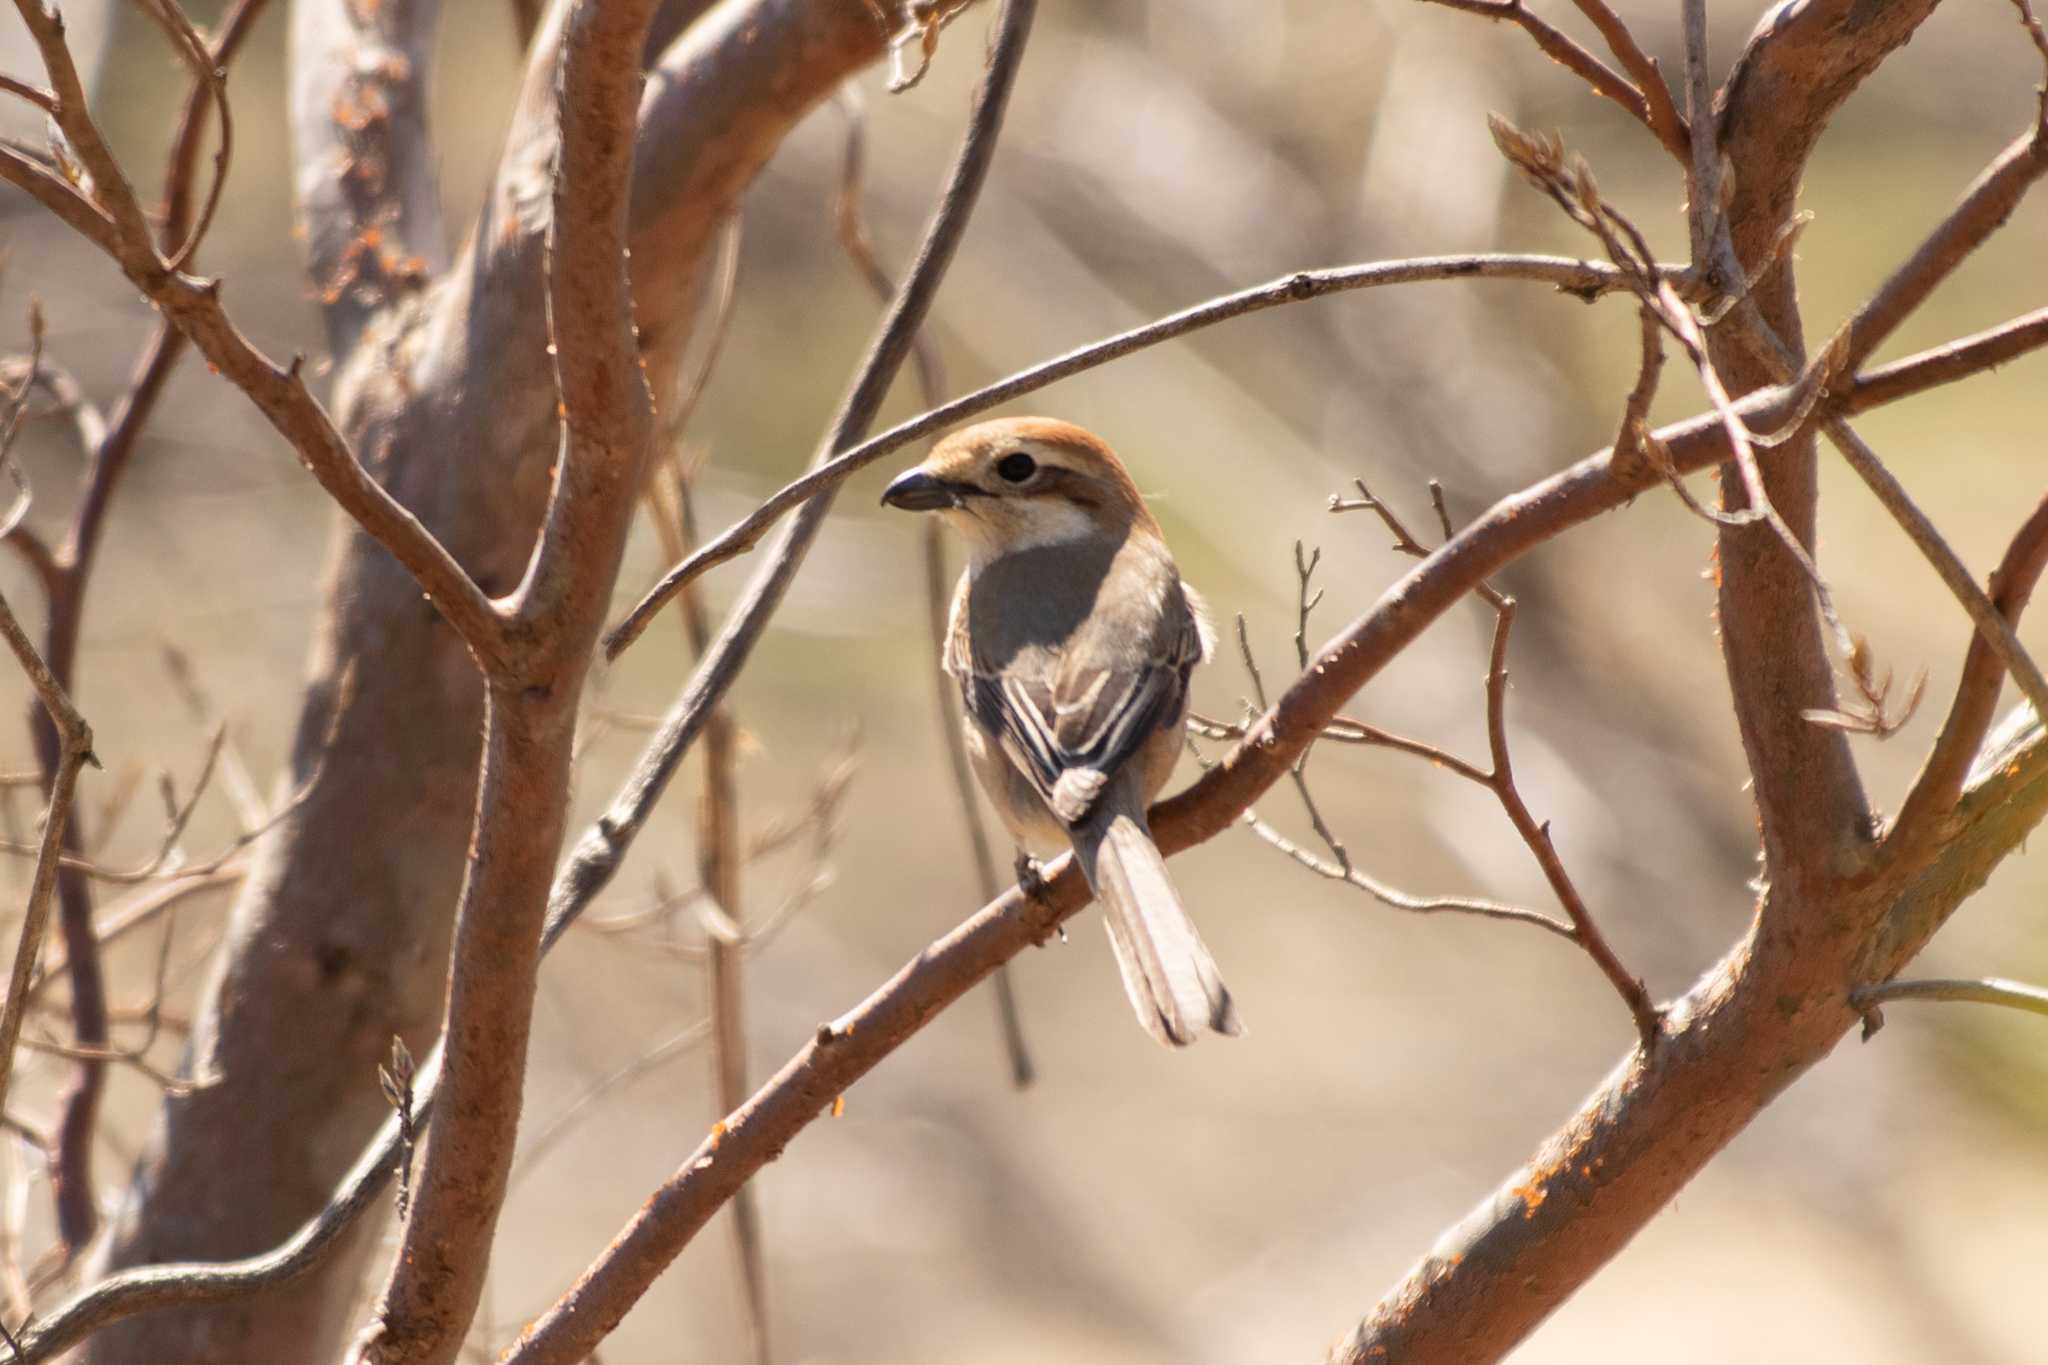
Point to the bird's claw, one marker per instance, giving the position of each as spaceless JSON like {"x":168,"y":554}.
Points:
{"x":1030,"y":880}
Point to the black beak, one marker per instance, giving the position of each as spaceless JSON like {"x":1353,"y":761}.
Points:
{"x":917,"y":491}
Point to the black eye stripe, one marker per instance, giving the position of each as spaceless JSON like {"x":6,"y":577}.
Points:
{"x":1016,"y":467}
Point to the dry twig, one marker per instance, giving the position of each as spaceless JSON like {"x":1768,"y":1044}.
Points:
{"x":860,"y":249}
{"x":1582,"y":279}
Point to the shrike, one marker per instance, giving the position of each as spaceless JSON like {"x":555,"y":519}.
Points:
{"x":1072,"y":639}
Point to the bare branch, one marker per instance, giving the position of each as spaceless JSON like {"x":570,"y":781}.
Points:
{"x":1500,"y":779}
{"x":1948,"y":362}
{"x":1995,"y":629}
{"x":1603,"y":79}
{"x":1990,"y":990}
{"x":1661,"y":115}
{"x":854,"y":240}
{"x":1400,"y":900}
{"x":193,"y":305}
{"x":1703,"y":167}
{"x":1585,"y":279}
{"x":2009,"y":797}
{"x":532,"y":687}
{"x":1984,"y":209}
{"x":76,"y":739}
{"x":1930,"y":803}
{"x":210,"y":81}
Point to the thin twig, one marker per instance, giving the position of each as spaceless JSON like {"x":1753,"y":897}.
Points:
{"x":1401,"y":900}
{"x":1536,"y":834}
{"x":1661,"y":114}
{"x":1500,"y":779}
{"x":1995,"y":629}
{"x":1990,"y":990}
{"x":720,"y":860}
{"x":942,"y":972}
{"x":1931,"y":800}
{"x":1603,"y":79}
{"x":579,"y":1110}
{"x":75,"y":737}
{"x":210,"y":77}
{"x":860,"y":249}
{"x":1583,"y":279}
{"x":1703,"y":166}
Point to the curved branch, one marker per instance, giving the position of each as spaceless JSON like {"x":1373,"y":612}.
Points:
{"x":436,"y":1280}
{"x":1602,"y":78}
{"x":1586,"y":279}
{"x":1005,"y":927}
{"x":1740,"y":1039}
{"x":1944,"y":364}
{"x":1796,"y":70}
{"x":1934,"y":792}
{"x":1990,"y":990}
{"x":75,"y":740}
{"x":1984,"y":208}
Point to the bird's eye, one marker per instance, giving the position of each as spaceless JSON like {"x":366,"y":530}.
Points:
{"x":1016,"y":467}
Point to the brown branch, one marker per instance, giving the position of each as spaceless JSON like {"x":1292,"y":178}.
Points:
{"x":34,"y":94}
{"x":110,"y":190}
{"x":280,"y":393}
{"x":860,"y":249}
{"x":1561,"y":49}
{"x":1948,"y":362}
{"x":1930,"y":804}
{"x":607,"y":422}
{"x":209,"y":86}
{"x":805,"y":1087}
{"x":75,"y":737}
{"x":1812,"y":809}
{"x":1585,"y":279}
{"x":720,"y":860}
{"x":1713,"y":253}
{"x":1395,"y":899}
{"x":1662,"y":115}
{"x":67,"y":571}
{"x":716,"y":106}
{"x":1992,"y":624}
{"x":1743,"y":1035}
{"x":566,"y":1332}
{"x":1984,"y":208}
{"x":1500,"y":778}
{"x":725,"y":969}
{"x":1585,"y":931}
{"x":209,"y":78}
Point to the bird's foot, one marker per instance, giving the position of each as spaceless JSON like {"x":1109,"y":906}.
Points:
{"x":1031,"y":881}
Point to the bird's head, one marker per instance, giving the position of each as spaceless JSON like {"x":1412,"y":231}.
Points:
{"x":1023,"y":482}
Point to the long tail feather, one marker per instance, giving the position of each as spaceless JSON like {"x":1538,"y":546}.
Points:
{"x":1167,"y":970}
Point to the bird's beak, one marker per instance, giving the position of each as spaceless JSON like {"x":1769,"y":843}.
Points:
{"x":916,"y":490}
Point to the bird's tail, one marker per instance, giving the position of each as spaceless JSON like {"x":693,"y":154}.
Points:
{"x":1168,"y":973}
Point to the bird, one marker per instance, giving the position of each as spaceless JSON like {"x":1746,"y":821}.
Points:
{"x":1072,"y":639}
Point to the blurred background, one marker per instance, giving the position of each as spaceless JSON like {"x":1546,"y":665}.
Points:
{"x":1245,"y":1201}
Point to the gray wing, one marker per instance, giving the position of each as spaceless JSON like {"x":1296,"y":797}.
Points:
{"x":1066,"y":726}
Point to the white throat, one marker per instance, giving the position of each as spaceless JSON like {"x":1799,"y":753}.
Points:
{"x":1051,"y":522}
